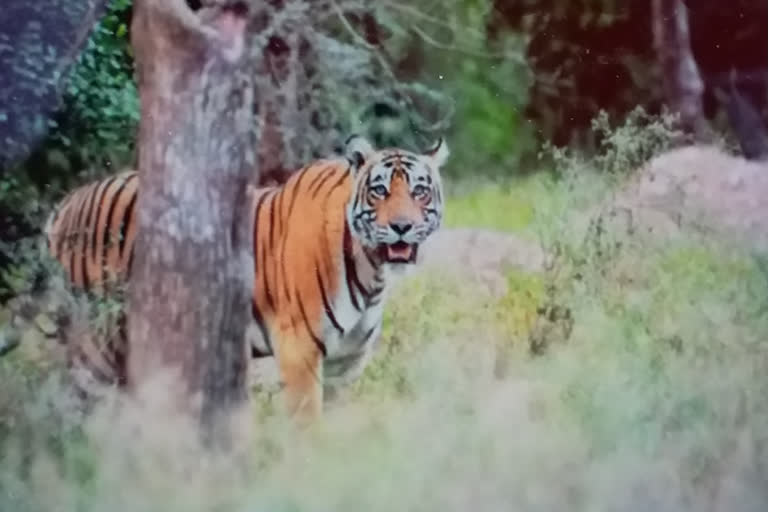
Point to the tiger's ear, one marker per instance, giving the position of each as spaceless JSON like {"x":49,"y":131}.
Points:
{"x":357,"y":149}
{"x":439,"y":153}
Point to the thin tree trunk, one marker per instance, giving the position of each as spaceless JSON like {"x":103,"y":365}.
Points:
{"x":683,"y":86}
{"x":284,"y":61}
{"x":192,"y":272}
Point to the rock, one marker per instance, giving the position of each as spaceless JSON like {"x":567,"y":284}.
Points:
{"x":701,"y":187}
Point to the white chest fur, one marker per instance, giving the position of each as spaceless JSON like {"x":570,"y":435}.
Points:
{"x":349,"y":353}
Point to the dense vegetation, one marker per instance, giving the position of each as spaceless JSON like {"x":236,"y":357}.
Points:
{"x":625,"y":372}
{"x":649,"y":394}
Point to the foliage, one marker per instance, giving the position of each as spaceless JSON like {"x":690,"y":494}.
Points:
{"x":91,"y":134}
{"x":97,"y":128}
{"x":655,"y":391}
{"x":585,"y":56}
{"x":623,"y":149}
{"x":478,"y":204}
{"x":629,"y":398}
{"x":486,"y":85}
{"x":626,"y":148}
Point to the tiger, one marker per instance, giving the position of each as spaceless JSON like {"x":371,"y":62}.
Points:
{"x":328,"y":245}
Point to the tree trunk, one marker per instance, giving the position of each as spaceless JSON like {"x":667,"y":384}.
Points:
{"x":39,"y":42}
{"x":192,"y":274}
{"x":284,"y":74}
{"x":683,"y":87}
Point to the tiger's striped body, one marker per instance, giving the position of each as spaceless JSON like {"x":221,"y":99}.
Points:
{"x":91,"y":234}
{"x":327,"y":245}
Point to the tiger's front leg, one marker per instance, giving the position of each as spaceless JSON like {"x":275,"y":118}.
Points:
{"x":301,"y":374}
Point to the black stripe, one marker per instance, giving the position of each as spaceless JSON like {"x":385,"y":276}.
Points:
{"x":363,"y":291}
{"x":113,"y":202}
{"x":283,"y":272}
{"x":369,"y":333}
{"x":129,"y":266}
{"x":321,"y":174}
{"x":256,"y":209}
{"x":356,"y":202}
{"x":85,"y":361}
{"x":279,"y":253}
{"x":259,"y":320}
{"x":78,"y":227}
{"x":280,"y":257}
{"x":89,"y":216}
{"x":349,"y":267}
{"x":327,"y":250}
{"x":370,"y":259}
{"x":127,"y":219}
{"x":327,"y":304}
{"x":258,"y":354}
{"x":84,"y":270}
{"x":91,"y":222}
{"x":295,"y":191}
{"x":338,"y":182}
{"x":392,"y":164}
{"x":326,"y":177}
{"x":261,"y":250}
{"x":349,"y":139}
{"x":314,"y":337}
{"x":95,"y":238}
{"x":263,"y":272}
{"x":279,"y":222}
{"x":109,"y":352}
{"x":80,"y":244}
{"x":272,"y":220}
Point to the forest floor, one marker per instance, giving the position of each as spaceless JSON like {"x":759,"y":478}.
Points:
{"x":585,"y":344}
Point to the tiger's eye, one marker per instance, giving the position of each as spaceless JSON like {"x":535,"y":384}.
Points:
{"x":379,"y":190}
{"x":420,"y":191}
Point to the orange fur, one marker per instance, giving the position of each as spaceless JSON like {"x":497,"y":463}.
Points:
{"x":320,"y":275}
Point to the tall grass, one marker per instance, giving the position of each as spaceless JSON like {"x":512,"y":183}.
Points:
{"x":655,"y":398}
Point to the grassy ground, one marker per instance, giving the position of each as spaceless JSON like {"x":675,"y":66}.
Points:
{"x":655,"y":398}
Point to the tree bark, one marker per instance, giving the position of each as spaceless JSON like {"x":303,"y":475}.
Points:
{"x":192,"y":271}
{"x":39,"y":42}
{"x":285,"y":65}
{"x":683,"y":86}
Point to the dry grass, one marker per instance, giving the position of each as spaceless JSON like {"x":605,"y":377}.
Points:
{"x":657,"y":399}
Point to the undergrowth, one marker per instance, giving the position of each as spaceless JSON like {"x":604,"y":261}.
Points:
{"x":628,"y":373}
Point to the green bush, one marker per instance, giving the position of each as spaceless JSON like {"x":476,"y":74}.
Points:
{"x":97,"y":127}
{"x":489,"y":135}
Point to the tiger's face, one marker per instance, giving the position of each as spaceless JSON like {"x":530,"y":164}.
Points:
{"x":397,"y":198}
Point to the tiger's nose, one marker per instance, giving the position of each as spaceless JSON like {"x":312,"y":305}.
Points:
{"x":401,"y":227}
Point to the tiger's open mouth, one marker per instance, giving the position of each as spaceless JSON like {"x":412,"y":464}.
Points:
{"x":399,"y":252}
